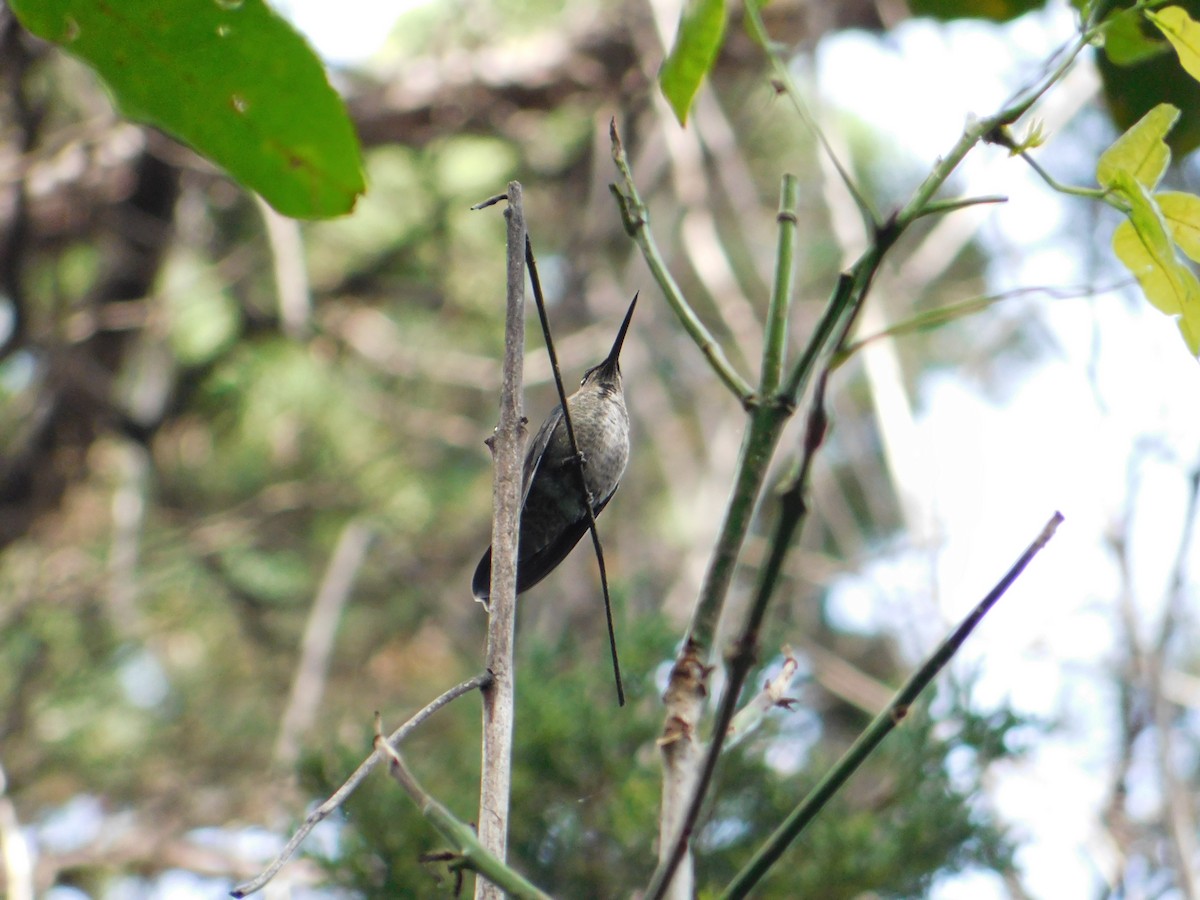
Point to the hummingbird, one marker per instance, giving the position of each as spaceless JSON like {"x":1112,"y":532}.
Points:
{"x":553,"y":517}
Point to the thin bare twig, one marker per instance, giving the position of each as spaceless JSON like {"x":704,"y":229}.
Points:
{"x":499,"y":697}
{"x":1180,"y":816}
{"x":317,"y":645}
{"x":291,"y":275}
{"x":880,"y":727}
{"x":460,"y":835}
{"x":773,"y":694}
{"x":343,"y":793}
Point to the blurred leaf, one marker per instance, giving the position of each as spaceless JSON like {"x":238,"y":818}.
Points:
{"x":926,"y":320}
{"x":1144,"y":246}
{"x":230,"y":78}
{"x":1184,"y":35}
{"x":1182,"y":214}
{"x":1143,"y":256}
{"x":1134,"y":87}
{"x":202,"y":317}
{"x":1125,"y":43}
{"x":1141,"y":152}
{"x":992,"y":10}
{"x":701,"y":31}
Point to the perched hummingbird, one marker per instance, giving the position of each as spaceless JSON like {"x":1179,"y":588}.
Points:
{"x":553,"y":517}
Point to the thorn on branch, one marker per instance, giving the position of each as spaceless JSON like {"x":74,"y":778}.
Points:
{"x":490,"y":201}
{"x":455,"y":862}
{"x":675,"y":729}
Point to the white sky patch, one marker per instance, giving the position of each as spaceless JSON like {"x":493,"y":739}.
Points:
{"x":345,"y":32}
{"x":1055,"y":441}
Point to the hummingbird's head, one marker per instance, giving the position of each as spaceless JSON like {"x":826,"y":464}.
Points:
{"x":608,"y":373}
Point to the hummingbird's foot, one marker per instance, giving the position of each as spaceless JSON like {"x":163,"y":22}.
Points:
{"x":573,"y":459}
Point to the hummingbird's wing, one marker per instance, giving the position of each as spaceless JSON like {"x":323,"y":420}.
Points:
{"x":537,"y":449}
{"x":533,"y":568}
{"x":481,"y":581}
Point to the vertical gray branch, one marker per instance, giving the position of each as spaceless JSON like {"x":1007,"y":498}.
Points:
{"x":496,"y":776}
{"x":317,"y":646}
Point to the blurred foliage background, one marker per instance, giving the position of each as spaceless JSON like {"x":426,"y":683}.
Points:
{"x":210,"y":416}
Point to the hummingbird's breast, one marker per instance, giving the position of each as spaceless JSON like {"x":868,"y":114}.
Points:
{"x":601,"y":425}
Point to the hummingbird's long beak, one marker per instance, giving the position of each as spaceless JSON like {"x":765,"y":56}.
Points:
{"x":610,"y":362}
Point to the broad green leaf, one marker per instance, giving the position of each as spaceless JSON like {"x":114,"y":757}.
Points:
{"x":1142,"y":262}
{"x":1184,"y":34}
{"x":230,"y":78}
{"x":992,"y":10}
{"x":701,"y":31}
{"x":1141,"y":151}
{"x":1144,"y":246}
{"x":1124,"y":42}
{"x":1182,"y":214}
{"x":1149,"y":252}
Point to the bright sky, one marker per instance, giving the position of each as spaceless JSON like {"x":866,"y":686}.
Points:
{"x":1001,"y":468}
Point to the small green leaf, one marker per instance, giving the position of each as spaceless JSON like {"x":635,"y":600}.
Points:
{"x":1184,"y":34}
{"x":1144,"y":246}
{"x":1141,"y":151}
{"x":1035,"y":136}
{"x":1182,"y":214}
{"x":1191,"y":334}
{"x":701,"y":31}
{"x":1124,"y":42}
{"x":230,"y":78}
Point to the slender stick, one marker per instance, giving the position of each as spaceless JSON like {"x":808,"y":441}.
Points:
{"x":343,"y":793}
{"x":686,"y":688}
{"x":316,"y":648}
{"x":882,"y":725}
{"x":781,"y":293}
{"x":499,"y":697}
{"x":459,"y":834}
{"x":540,"y":302}
{"x":636,"y":219}
{"x":745,"y":653}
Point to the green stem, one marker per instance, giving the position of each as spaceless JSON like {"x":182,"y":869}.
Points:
{"x":781,"y":293}
{"x":938,"y":207}
{"x":746,"y":648}
{"x":980,"y":129}
{"x":783,"y":76}
{"x":636,"y":219}
{"x":882,"y":725}
{"x":1055,"y":184}
{"x":462,"y":837}
{"x":766,"y":425}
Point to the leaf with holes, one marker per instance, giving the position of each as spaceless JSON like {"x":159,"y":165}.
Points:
{"x":228,"y":77}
